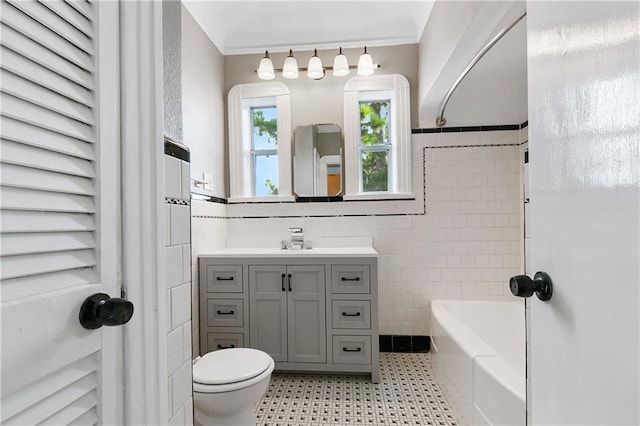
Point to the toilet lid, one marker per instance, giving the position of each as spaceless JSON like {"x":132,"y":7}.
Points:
{"x":230,"y":366}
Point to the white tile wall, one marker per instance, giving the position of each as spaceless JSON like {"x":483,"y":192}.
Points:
{"x":466,"y":246}
{"x":178,"y":273}
{"x":180,"y":224}
{"x":182,"y":385}
{"x":208,"y":232}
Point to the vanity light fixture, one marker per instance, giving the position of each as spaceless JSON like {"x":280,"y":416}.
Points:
{"x":315,"y":69}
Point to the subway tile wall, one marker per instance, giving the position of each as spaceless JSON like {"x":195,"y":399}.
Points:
{"x":208,"y":232}
{"x":178,"y":276}
{"x":465,"y":246}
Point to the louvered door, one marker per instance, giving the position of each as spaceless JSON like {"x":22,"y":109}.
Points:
{"x":60,"y":237}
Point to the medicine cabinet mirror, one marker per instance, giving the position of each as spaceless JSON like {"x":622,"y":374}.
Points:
{"x":317,"y":160}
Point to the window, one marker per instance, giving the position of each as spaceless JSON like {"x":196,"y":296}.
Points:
{"x":264,"y":150}
{"x":259,"y":143}
{"x":375,"y":145}
{"x":377,"y":137}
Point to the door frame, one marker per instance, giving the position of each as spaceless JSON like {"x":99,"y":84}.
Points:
{"x":143,"y":213}
{"x":109,"y":207}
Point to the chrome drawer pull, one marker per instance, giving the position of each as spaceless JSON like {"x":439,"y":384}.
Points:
{"x":224,"y":278}
{"x":346,"y":314}
{"x":226,"y":347}
{"x":351,"y":350}
{"x":350,"y":279}
{"x":225,"y":313}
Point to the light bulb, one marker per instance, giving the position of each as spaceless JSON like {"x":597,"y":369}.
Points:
{"x":340,"y":65}
{"x":265,"y":69}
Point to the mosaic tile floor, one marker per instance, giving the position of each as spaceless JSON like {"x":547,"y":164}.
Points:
{"x":406,"y":395}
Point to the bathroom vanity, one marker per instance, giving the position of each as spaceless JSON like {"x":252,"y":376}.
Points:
{"x":311,"y":310}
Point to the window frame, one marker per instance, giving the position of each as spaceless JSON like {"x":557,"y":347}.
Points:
{"x":241,"y":99}
{"x":394,"y":87}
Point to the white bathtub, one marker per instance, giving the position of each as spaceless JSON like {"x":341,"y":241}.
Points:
{"x":478,"y":358}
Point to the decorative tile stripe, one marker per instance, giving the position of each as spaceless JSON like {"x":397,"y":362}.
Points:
{"x":465,"y":129}
{"x":177,"y":201}
{"x":460,"y":129}
{"x":407,"y":394}
{"x":176,"y":149}
{"x":472,"y":146}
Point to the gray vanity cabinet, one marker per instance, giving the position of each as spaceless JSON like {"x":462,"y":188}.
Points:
{"x":287,"y":312}
{"x":311,"y":311}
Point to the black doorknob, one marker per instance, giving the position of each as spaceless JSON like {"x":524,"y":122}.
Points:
{"x":100,"y":309}
{"x":524,"y":286}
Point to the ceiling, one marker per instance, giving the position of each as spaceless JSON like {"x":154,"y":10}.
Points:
{"x":243,"y":27}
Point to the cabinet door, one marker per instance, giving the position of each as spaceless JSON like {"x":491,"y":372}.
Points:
{"x":306,"y":316}
{"x":268,"y":310}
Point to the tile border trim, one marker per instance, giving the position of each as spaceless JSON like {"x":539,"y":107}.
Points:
{"x":176,"y":149}
{"x":177,"y":201}
{"x":460,"y":129}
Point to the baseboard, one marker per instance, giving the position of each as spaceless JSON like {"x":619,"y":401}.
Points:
{"x":393,"y":343}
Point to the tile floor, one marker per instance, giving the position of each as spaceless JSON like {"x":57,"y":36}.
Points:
{"x":406,"y":395}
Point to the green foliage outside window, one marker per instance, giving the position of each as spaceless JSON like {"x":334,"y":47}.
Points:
{"x":273,"y":189}
{"x":374,"y":130}
{"x":262,"y":126}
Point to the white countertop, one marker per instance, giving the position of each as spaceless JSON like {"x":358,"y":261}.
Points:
{"x":275,"y":252}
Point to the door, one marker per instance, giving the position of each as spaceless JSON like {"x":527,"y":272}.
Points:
{"x":306,"y":314}
{"x":584,"y":151}
{"x":60,"y":211}
{"x":268,"y":309}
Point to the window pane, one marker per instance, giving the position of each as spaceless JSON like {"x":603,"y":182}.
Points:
{"x":264,"y":123}
{"x":374,"y":122}
{"x":266,"y":175}
{"x":375,"y":171}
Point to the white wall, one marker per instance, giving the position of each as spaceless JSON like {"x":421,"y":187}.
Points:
{"x":494,"y":92}
{"x":466,"y":246}
{"x":203,"y":104}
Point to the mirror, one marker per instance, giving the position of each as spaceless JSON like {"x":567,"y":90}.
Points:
{"x":317,"y":160}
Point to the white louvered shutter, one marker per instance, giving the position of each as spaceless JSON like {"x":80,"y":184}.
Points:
{"x":50,"y":216}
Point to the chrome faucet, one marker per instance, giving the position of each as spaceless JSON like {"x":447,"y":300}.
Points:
{"x":297,"y":238}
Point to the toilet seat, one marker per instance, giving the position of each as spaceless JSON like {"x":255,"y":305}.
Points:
{"x":229,"y":369}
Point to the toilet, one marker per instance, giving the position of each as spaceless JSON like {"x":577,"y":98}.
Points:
{"x":228,"y":383}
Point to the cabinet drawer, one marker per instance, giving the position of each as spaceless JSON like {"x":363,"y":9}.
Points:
{"x":350,"y":279}
{"x":223,"y":278}
{"x":225,"y":313}
{"x":352,"y":349}
{"x":351,"y":314}
{"x":217,"y":341}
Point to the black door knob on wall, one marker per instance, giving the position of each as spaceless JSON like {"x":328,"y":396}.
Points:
{"x":525,"y":286}
{"x":100,"y":309}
